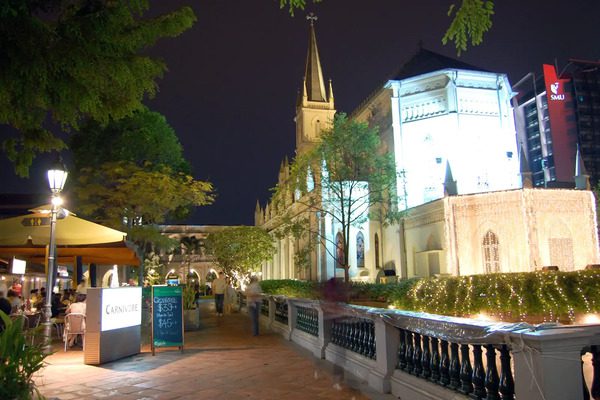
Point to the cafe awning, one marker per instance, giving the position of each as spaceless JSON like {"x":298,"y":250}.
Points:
{"x":70,"y":230}
{"x":27,"y":236}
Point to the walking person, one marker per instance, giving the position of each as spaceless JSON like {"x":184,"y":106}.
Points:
{"x":219,"y":285}
{"x":253,"y":300}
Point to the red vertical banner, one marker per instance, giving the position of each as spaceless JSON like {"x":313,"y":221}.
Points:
{"x":563,"y":124}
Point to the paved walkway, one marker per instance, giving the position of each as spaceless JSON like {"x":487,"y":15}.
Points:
{"x":220,"y":361}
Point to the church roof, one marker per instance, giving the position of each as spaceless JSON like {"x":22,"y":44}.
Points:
{"x":313,"y":75}
{"x":425,"y":61}
{"x":422,"y":62}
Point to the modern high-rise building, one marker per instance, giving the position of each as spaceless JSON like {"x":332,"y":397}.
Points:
{"x":557,"y":113}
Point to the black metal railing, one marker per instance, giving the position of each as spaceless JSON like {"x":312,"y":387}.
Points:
{"x":460,"y":367}
{"x":281,"y":312}
{"x":591,"y":355}
{"x":307,"y":320}
{"x":355,"y":334}
{"x":264,"y":307}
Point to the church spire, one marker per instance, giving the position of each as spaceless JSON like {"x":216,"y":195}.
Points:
{"x":450,"y":188}
{"x":582,"y":179}
{"x":313,"y":75}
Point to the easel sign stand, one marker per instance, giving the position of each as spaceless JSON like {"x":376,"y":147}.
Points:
{"x":167,"y":317}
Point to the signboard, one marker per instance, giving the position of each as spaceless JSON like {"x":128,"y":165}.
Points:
{"x":121,"y":308}
{"x":18,"y":266}
{"x":167,"y":317}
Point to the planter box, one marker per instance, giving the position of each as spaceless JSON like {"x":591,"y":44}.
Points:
{"x":191,"y":320}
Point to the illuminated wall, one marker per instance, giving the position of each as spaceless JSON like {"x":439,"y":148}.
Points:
{"x":456,"y":116}
{"x":533,"y":228}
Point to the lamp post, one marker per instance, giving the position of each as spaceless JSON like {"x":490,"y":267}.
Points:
{"x":57,"y":176}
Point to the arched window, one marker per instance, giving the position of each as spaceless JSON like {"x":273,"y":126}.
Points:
{"x":360,"y":250}
{"x":340,"y":258}
{"x":491,"y":253}
{"x":377,"y":265}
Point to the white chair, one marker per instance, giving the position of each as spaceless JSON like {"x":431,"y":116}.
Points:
{"x":74,"y":325}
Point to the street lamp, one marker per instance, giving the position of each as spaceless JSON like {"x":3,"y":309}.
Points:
{"x":57,"y":176}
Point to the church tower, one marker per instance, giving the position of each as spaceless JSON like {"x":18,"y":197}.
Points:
{"x":314,"y":109}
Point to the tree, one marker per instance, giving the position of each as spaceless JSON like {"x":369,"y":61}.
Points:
{"x":143,"y":137}
{"x":470,"y":21}
{"x":71,"y":60}
{"x":190,"y":247}
{"x":154,"y":270}
{"x":240,"y":250}
{"x":121,"y":193}
{"x":352,"y":181}
{"x":112,"y":160}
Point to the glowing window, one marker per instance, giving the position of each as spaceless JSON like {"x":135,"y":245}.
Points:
{"x":491,"y":254}
{"x":360,"y":250}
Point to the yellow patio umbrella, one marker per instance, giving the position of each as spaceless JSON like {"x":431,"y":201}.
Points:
{"x":28,"y":235}
{"x":71,"y":230}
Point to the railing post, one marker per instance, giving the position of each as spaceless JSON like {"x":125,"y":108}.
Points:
{"x":325,"y":326}
{"x":547,"y":362}
{"x":292,"y":311}
{"x":387,"y":341}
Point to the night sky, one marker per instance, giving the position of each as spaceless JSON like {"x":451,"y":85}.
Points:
{"x":233,"y":78}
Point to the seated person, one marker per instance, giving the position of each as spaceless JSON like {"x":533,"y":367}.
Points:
{"x":57,"y":306}
{"x":77,"y":308}
{"x":15,"y":301}
{"x":33,"y":297}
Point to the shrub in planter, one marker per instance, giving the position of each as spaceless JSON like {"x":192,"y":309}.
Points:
{"x":18,"y":362}
{"x":190,"y":314}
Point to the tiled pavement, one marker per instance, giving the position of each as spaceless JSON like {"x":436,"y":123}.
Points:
{"x":220,"y":361}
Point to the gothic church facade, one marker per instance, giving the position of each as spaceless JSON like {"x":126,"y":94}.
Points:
{"x":463,"y":184}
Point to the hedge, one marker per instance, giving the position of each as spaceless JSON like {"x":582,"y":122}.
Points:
{"x":516,"y":296}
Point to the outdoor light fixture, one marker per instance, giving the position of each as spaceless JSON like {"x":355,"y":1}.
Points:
{"x":57,"y":176}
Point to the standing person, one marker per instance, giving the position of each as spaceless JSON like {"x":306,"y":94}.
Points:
{"x":218,"y":286}
{"x":253,"y":300}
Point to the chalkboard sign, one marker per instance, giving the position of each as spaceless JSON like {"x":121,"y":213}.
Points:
{"x":167,"y":317}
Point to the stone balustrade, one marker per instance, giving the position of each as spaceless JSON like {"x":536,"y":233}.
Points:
{"x":424,"y":356}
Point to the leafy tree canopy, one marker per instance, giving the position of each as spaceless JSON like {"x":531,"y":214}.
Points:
{"x":141,"y":138}
{"x":68,"y":60}
{"x":470,"y":20}
{"x":123,"y":191}
{"x":354,"y":180}
{"x":145,"y":146}
{"x":240,"y":250}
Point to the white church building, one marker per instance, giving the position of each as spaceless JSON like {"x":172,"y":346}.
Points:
{"x":469,"y":206}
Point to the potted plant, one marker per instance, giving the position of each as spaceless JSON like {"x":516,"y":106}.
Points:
{"x":191,"y":315}
{"x":18,"y":362}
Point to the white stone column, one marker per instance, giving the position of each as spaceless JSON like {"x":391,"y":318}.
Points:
{"x":325,"y":324}
{"x":547,"y":363}
{"x":387,"y":339}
